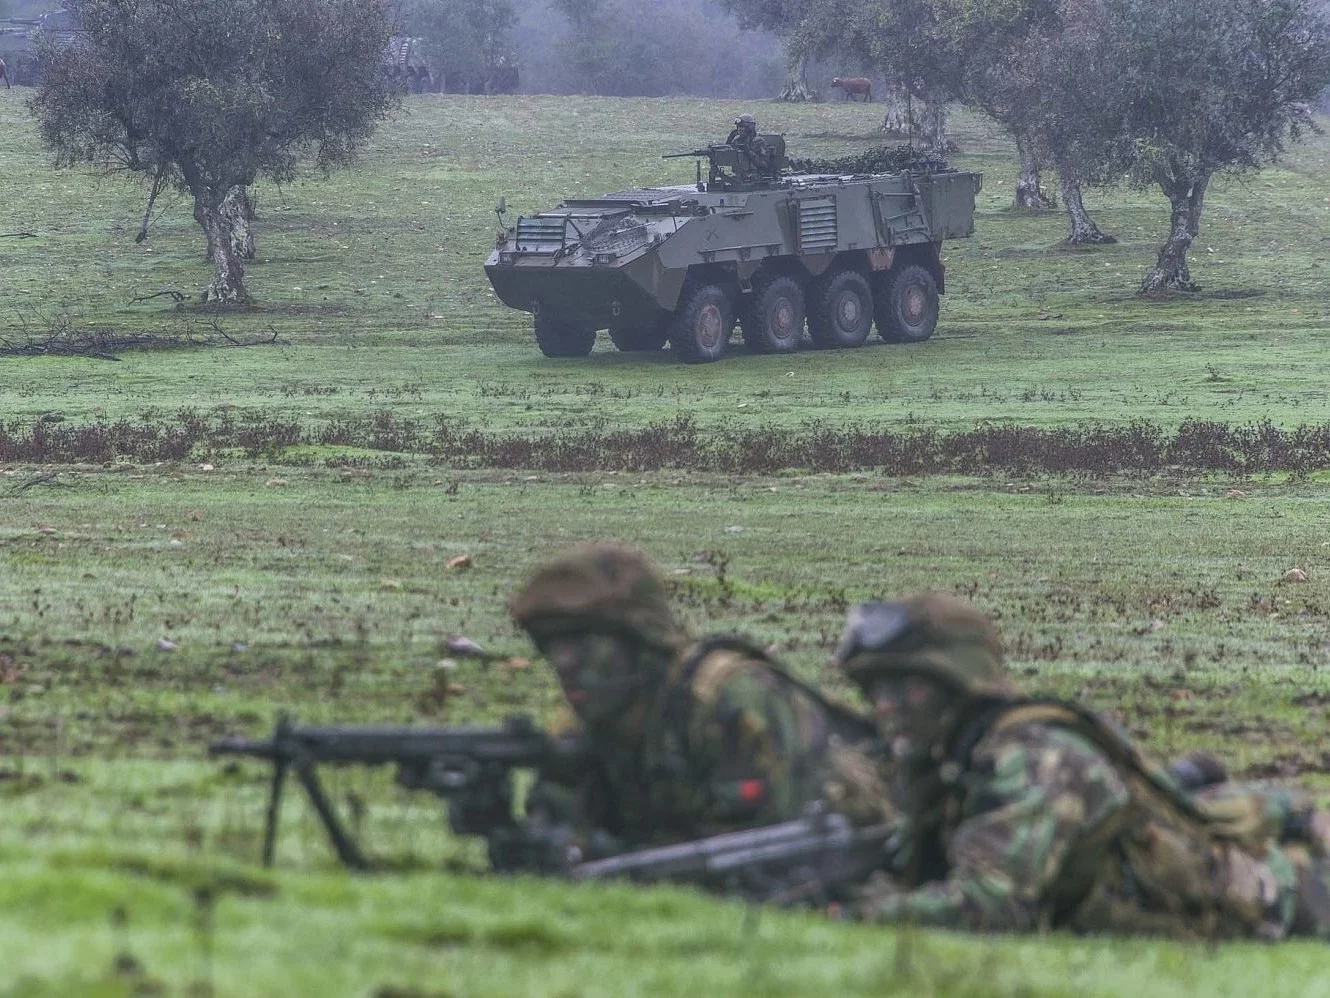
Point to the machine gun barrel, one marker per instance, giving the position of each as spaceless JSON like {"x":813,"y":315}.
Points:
{"x":824,"y":851}
{"x":518,"y":742}
{"x":708,"y":151}
{"x":468,"y":765}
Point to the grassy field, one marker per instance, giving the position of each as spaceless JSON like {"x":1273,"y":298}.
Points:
{"x":194,"y":539}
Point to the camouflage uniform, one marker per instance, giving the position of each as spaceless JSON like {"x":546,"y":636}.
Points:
{"x":700,"y":737}
{"x":1027,"y":814}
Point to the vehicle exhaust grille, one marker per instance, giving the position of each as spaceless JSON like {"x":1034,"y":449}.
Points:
{"x":817,"y":225}
{"x":540,"y":235}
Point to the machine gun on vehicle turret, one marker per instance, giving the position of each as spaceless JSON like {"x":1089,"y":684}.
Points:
{"x":732,"y":168}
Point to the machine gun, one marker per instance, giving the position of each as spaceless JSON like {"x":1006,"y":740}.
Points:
{"x":720,"y":156}
{"x":743,"y":173}
{"x":812,"y":859}
{"x":706,"y":153}
{"x":470,"y":767}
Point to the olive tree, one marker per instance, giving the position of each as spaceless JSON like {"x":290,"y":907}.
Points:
{"x":988,"y":56}
{"x":808,"y":29}
{"x":1173,"y":94}
{"x":980,"y":55}
{"x":209,"y":95}
{"x":934,"y":52}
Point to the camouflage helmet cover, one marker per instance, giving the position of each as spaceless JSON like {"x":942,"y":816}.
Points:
{"x":934,"y":635}
{"x":608,"y":587}
{"x":745,"y":121}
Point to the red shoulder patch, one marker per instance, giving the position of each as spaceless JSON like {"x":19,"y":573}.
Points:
{"x":752,"y":791}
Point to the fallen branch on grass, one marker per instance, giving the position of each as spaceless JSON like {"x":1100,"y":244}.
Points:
{"x":104,"y":344}
{"x":50,"y":478}
{"x":171,"y":293}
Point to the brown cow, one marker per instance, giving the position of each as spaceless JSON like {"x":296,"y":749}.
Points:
{"x":853,"y":85}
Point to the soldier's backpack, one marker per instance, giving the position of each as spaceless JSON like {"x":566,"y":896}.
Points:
{"x":1211,"y":865}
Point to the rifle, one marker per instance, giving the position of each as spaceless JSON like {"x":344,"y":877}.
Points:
{"x":470,"y":767}
{"x":814,"y":858}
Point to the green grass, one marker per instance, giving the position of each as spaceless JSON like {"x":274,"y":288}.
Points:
{"x":373,"y":282}
{"x":314,"y":577}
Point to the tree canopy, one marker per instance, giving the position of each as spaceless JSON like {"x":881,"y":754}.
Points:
{"x":1172,"y":94}
{"x":209,"y":95}
{"x":1168,"y":93}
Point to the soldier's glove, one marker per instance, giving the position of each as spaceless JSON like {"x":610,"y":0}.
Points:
{"x":877,"y":891}
{"x":534,"y":848}
{"x":867,"y":904}
{"x":547,"y":848}
{"x":601,"y":844}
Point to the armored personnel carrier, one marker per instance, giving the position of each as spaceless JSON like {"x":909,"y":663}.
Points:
{"x":750,"y":242}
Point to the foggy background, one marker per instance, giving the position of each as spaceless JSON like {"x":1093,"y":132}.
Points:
{"x":614,"y":47}
{"x":648,"y":48}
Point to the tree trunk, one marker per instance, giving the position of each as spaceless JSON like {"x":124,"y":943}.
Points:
{"x":1186,"y":197}
{"x":1083,"y":228}
{"x":239,"y":211}
{"x":934,"y":117}
{"x":228,"y":285}
{"x":201,"y":216}
{"x":923,"y":122}
{"x":1029,"y":193}
{"x":158,"y":185}
{"x":895,"y":112}
{"x":797,"y":91}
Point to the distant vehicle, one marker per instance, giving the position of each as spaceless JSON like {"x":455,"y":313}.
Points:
{"x":19,"y":37}
{"x":769,"y":249}
{"x":407,"y":66}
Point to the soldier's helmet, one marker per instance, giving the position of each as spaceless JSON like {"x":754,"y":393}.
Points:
{"x":746,"y":122}
{"x":933,"y":635}
{"x":609,"y":588}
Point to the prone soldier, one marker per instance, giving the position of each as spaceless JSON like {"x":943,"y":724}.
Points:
{"x":1024,"y":814}
{"x":686,"y":738}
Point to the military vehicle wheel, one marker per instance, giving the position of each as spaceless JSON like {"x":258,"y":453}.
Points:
{"x":842,"y":312}
{"x":907,"y":313}
{"x":564,"y":337}
{"x":702,"y":324}
{"x":773,"y":322}
{"x":641,"y":337}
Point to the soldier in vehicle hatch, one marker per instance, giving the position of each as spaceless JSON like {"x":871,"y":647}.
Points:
{"x":753,"y":149}
{"x":687,"y":737}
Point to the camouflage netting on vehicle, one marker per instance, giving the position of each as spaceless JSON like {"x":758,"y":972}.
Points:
{"x":879,"y":160}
